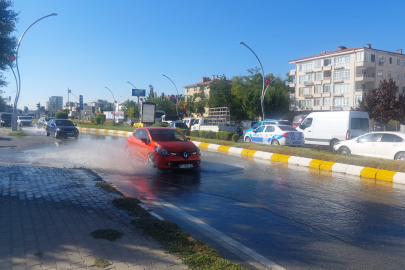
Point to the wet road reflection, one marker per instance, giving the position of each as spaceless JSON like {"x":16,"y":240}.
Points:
{"x":298,"y":219}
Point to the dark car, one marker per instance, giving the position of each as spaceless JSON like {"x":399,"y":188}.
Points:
{"x":62,"y":128}
{"x":180,"y":125}
{"x":43,"y":121}
{"x":5,"y":119}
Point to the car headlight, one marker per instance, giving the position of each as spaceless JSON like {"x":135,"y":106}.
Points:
{"x":162,"y":151}
{"x":197,"y":152}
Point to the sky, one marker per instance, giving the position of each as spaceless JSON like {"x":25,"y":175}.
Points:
{"x":93,"y":44}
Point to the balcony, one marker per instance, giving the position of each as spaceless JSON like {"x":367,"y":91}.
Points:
{"x":364,"y":77}
{"x":359,"y":90}
{"x":327,"y":94}
{"x":337,"y":108}
{"x":292,"y":72}
{"x":325,"y":108}
{"x":308,"y":71}
{"x":292,"y":84}
{"x":365,"y":64}
{"x":308,"y":83}
{"x":338,"y":94}
{"x":308,"y":95}
{"x":327,"y":67}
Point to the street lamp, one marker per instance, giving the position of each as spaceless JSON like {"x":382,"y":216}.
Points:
{"x":177,"y":98}
{"x":135,"y":88}
{"x":18,"y":82}
{"x":114,"y":102}
{"x":263,"y":90}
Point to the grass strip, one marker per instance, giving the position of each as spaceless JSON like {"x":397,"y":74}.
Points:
{"x":108,"y":187}
{"x":194,"y":253}
{"x":18,"y":133}
{"x":108,"y":234}
{"x":132,"y":205}
{"x":101,"y":263}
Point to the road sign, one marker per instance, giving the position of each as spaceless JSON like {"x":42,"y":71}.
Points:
{"x":138,"y":92}
{"x":188,"y":111}
{"x":267,"y":81}
{"x":180,"y":112}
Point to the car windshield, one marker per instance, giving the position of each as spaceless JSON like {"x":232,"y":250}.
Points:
{"x":6,"y":116}
{"x":287,"y":128}
{"x":166,"y":135}
{"x":181,"y":125}
{"x":24,"y":117}
{"x":65,"y":123}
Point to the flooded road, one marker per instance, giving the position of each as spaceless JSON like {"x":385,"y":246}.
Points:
{"x":293,"y":217}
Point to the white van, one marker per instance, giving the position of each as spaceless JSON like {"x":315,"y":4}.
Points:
{"x":328,"y":128}
{"x":188,"y":121}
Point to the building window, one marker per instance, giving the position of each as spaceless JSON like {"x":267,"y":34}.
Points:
{"x":359,"y":57}
{"x":328,"y":62}
{"x":381,"y":60}
{"x":306,"y":78}
{"x":326,"y":88}
{"x":403,"y":90}
{"x":319,"y":89}
{"x":306,"y":91}
{"x":326,"y":101}
{"x":307,"y":103}
{"x":342,"y":61}
{"x":389,"y":74}
{"x":341,"y":102}
{"x":390,"y":60}
{"x":398,"y":61}
{"x":396,"y":75}
{"x":343,"y":88}
{"x":317,"y":102}
{"x":363,"y":56}
{"x":318,"y":76}
{"x":318,"y":63}
{"x":379,"y":74}
{"x":306,"y":66}
{"x":357,"y":99}
{"x":404,"y":76}
{"x":341,"y":74}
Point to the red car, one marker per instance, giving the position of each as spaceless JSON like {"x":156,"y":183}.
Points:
{"x":164,"y":148}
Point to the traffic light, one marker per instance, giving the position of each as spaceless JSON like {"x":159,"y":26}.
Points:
{"x":184,"y":109}
{"x":163,"y":95}
{"x":101,"y":105}
{"x":39,"y":106}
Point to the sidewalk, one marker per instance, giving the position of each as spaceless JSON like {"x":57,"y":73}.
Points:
{"x":47,"y":215}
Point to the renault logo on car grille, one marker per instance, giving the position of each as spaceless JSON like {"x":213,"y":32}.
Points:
{"x":185,"y":155}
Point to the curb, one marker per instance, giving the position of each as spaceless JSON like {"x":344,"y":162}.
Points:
{"x":321,"y":165}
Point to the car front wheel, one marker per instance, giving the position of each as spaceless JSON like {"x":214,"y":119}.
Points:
{"x":151,"y":160}
{"x":247,"y":139}
{"x":275,"y":142}
{"x":400,"y":156}
{"x":344,"y":150}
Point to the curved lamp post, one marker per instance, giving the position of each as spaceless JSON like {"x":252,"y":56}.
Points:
{"x":114,"y":101}
{"x":177,"y":103}
{"x":18,"y":82}
{"x":263,"y":90}
{"x":135,"y":88}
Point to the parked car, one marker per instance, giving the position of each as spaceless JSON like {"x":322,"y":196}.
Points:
{"x":24,"y":120}
{"x":269,"y":122}
{"x":43,"y":121}
{"x":389,"y":145}
{"x":61,"y":128}
{"x":178,"y":124}
{"x":298,"y":120}
{"x":275,"y":135}
{"x":247,"y":124}
{"x":164,"y":148}
{"x":130,"y":122}
{"x":189,"y":121}
{"x":328,"y":128}
{"x":5,"y":119}
{"x":378,"y":127}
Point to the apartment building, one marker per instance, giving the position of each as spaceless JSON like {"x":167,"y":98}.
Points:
{"x":190,"y":90}
{"x":55,"y":103}
{"x":337,"y":80}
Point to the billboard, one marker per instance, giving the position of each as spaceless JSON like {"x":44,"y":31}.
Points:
{"x":118,"y":115}
{"x":138,"y":92}
{"x":148,"y":112}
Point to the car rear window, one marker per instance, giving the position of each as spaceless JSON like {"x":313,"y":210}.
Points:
{"x":287,"y":128}
{"x":360,"y":123}
{"x":391,"y":138}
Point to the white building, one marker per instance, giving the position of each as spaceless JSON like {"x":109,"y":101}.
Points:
{"x":337,"y":80}
{"x":54,"y":104}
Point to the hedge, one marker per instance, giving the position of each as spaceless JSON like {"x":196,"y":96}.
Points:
{"x":221,"y":135}
{"x":184,"y":131}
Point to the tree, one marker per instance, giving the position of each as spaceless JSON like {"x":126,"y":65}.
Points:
{"x":382,"y":104}
{"x":61,"y":115}
{"x":8,"y":20}
{"x":163,"y":104}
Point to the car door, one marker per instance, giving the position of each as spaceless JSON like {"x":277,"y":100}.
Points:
{"x":268,"y":134}
{"x":366,"y":145}
{"x":143,"y":148}
{"x":257,"y":134}
{"x":306,"y":128}
{"x":134,"y":141}
{"x":388,"y":145}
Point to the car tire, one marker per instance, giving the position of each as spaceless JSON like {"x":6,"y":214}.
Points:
{"x":275,"y":142}
{"x":400,"y":156}
{"x":47,"y":133}
{"x":151,"y":161}
{"x":344,"y":150}
{"x":55,"y":135}
{"x":333,"y":143}
{"x":247,"y":139}
{"x":37,"y":126}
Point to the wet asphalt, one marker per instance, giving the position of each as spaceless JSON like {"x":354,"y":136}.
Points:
{"x":296,"y":218}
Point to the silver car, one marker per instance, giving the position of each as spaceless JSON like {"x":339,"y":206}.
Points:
{"x":43,"y":122}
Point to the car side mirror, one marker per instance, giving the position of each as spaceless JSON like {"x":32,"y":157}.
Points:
{"x":188,"y":139}
{"x":75,"y":125}
{"x":302,"y":127}
{"x":359,"y":141}
{"x":144,"y":140}
{"x":254,"y":131}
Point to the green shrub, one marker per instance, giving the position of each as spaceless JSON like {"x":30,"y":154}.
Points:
{"x":211,"y":135}
{"x":100,"y":118}
{"x":202,"y":133}
{"x":235,"y":137}
{"x":195,"y":133}
{"x":223,"y":135}
{"x":160,"y":125}
{"x":61,"y":115}
{"x":184,"y":131}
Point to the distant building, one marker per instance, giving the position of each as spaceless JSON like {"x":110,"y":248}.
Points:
{"x":54,"y":104}
{"x":190,"y":90}
{"x":338,"y":79}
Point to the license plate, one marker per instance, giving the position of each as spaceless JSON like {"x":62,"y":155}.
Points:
{"x":69,"y":134}
{"x":185,"y":166}
{"x":296,"y":142}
